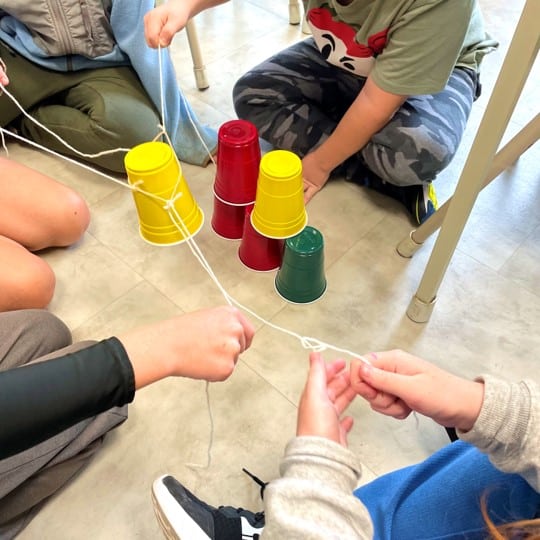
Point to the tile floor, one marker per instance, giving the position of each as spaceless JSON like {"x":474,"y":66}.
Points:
{"x":489,"y":303}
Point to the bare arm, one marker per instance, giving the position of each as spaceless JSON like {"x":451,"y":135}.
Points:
{"x":43,"y":398}
{"x":164,"y":21}
{"x":370,"y":111}
{"x":204,"y":344}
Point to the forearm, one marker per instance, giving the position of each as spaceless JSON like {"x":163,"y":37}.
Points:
{"x":314,"y":498}
{"x":42,"y":399}
{"x":148,"y":362}
{"x":371,"y":111}
{"x":201,"y":5}
{"x":508,"y":427}
{"x":194,"y":7}
{"x":163,"y":22}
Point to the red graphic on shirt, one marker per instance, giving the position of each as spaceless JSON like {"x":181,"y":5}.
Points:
{"x":337,"y":43}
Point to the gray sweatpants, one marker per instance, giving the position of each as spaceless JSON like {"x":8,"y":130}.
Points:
{"x":29,"y":478}
{"x":296,"y":99}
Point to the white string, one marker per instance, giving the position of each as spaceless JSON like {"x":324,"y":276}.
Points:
{"x":161,"y":96}
{"x":57,"y":137}
{"x":4,"y":146}
{"x":309,"y":343}
{"x":183,"y":98}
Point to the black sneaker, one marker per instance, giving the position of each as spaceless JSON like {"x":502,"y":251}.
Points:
{"x":182,"y":516}
{"x":420,"y":200}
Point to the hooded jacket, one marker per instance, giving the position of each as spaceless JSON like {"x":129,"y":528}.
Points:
{"x":68,"y":35}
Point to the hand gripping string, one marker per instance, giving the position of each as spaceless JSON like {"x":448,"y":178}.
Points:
{"x":308,"y":343}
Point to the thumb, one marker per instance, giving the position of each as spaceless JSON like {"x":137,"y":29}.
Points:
{"x":309,"y":191}
{"x":168,"y":31}
{"x":165,"y":37}
{"x":384,"y":381}
{"x":316,"y":381}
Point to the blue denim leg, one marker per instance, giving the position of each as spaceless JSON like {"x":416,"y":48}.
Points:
{"x":440,"y":497}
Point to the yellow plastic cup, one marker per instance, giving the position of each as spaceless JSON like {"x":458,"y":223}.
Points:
{"x":153,"y":167}
{"x":279,"y":210}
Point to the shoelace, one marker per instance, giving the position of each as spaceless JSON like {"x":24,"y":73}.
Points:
{"x":257,"y":516}
{"x":258,"y":481}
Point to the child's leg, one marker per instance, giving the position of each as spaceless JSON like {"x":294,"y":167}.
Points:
{"x":105,"y":110}
{"x":29,"y":478}
{"x":440,"y":497}
{"x":29,"y":334}
{"x":296,"y":98}
{"x":424,"y":135}
{"x":93,"y":110}
{"x":37,"y":211}
{"x":26,"y":280}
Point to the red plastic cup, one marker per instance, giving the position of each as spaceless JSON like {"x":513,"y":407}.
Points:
{"x":228,"y":219}
{"x":257,"y":251}
{"x":238,"y":158}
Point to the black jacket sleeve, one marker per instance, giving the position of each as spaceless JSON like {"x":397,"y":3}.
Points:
{"x":42,"y":399}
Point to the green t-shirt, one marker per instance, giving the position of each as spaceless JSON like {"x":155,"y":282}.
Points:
{"x":408,"y":47}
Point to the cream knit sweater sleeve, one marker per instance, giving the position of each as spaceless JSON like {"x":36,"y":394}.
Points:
{"x":313,"y":499}
{"x":508,"y":427}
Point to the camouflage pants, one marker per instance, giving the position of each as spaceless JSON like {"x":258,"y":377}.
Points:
{"x":296,"y":99}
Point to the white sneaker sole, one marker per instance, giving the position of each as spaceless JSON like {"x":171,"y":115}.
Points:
{"x":172,"y":517}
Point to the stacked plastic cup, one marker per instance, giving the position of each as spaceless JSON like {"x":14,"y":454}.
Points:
{"x":154,"y":169}
{"x":279,"y":210}
{"x":257,"y":251}
{"x":278,"y":213}
{"x":235,"y":184}
{"x":301,"y":278}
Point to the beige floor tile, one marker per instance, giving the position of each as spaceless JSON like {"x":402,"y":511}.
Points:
{"x":168,"y":430}
{"x":523,"y":268}
{"x":485,"y":319}
{"x":143,"y":303}
{"x":89,"y":277}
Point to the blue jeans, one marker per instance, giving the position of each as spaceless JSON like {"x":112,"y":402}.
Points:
{"x":440,"y":497}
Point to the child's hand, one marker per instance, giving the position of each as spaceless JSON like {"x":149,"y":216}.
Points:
{"x":203,"y":344}
{"x":314,"y":175}
{"x":397,"y":383}
{"x":325,"y":397}
{"x":163,"y":22}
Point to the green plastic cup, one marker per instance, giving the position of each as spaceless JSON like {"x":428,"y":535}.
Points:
{"x":301,"y":278}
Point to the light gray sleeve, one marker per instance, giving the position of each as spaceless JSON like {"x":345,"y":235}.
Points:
{"x":313,"y":499}
{"x":508,"y":427}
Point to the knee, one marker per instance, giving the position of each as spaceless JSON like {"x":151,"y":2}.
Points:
{"x":415,"y":159}
{"x":67,"y":221}
{"x":40,"y":284}
{"x":119,"y":114}
{"x":245,"y":96}
{"x":32,"y":286}
{"x":43,"y":328}
{"x":74,"y":220}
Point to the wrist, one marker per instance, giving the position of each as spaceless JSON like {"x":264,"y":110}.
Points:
{"x":325,"y":158}
{"x":148,"y":362}
{"x":471,"y":399}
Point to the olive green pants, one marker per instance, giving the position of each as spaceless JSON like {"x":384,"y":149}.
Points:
{"x":92,"y":110}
